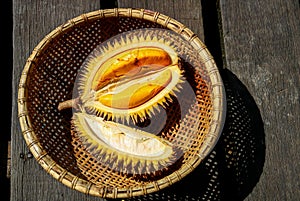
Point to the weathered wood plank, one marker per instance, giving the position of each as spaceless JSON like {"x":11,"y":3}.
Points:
{"x":32,"y":21}
{"x":187,"y":12}
{"x":262,"y":47}
{"x":6,"y":13}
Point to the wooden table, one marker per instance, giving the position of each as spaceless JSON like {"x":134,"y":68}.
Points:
{"x":256,"y":43}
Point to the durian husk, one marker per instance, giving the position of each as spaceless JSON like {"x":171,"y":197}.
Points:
{"x":122,"y":148}
{"x":136,"y":168}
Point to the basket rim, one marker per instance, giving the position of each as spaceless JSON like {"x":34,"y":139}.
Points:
{"x":87,"y":187}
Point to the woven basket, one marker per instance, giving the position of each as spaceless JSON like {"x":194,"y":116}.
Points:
{"x":48,"y":78}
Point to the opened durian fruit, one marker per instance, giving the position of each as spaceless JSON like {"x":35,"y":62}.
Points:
{"x":133,"y":78}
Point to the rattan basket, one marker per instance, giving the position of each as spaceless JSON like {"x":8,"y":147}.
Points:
{"x":48,"y":78}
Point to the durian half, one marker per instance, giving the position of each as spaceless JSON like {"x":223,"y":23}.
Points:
{"x":121,"y":148}
{"x":129,"y":76}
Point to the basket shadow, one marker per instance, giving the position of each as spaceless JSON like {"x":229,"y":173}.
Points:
{"x":233,"y":168}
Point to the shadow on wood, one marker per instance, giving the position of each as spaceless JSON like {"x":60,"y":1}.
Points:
{"x":233,"y":168}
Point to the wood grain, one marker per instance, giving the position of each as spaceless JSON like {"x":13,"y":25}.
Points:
{"x":188,"y":12}
{"x":261,"y":42}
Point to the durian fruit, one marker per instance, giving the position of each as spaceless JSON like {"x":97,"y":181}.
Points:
{"x":128,"y":78}
{"x":122,"y":148}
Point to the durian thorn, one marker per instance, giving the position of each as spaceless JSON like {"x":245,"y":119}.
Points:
{"x":72,"y":103}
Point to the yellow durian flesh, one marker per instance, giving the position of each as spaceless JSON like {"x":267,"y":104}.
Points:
{"x":136,"y":92}
{"x":129,"y":63}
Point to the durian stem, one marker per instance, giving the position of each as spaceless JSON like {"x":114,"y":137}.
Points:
{"x":73,"y":103}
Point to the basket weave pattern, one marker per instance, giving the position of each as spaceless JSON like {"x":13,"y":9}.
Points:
{"x":48,"y":79}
